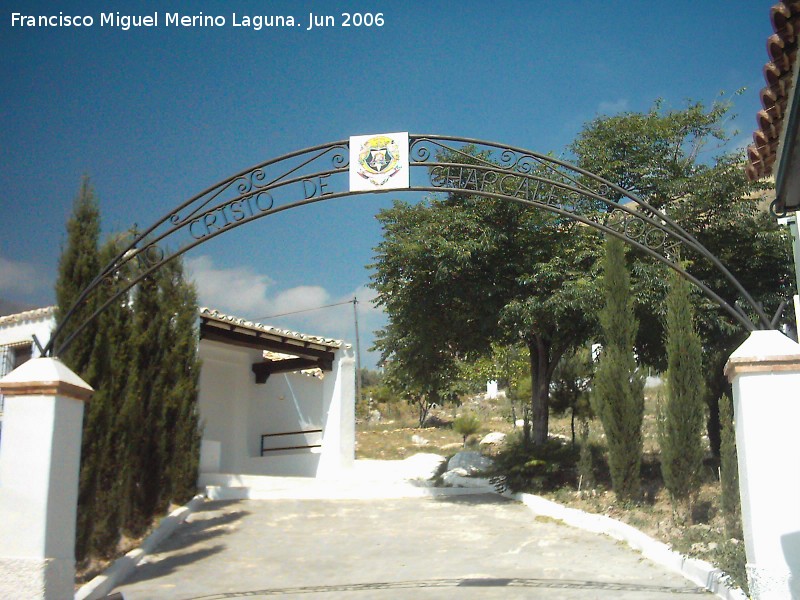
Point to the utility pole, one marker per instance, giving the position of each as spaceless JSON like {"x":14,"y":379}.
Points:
{"x":358,"y":351}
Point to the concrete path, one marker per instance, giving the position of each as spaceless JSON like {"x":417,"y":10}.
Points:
{"x":476,"y":546}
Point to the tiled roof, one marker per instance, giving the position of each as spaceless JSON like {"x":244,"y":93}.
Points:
{"x":210,"y":313}
{"x":28,"y":315}
{"x":776,"y":96}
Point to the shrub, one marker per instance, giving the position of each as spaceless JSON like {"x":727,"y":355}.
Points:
{"x":466,"y":424}
{"x":525,"y":468}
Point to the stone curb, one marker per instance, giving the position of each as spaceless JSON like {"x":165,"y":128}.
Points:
{"x":697,"y":571}
{"x":100,"y":586}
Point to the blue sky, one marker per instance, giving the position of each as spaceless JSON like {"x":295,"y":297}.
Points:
{"x":155,"y":115}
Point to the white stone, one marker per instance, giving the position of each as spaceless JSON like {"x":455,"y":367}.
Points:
{"x":454,"y":478}
{"x":495,"y":437}
{"x":473,"y":462}
{"x":418,"y":440}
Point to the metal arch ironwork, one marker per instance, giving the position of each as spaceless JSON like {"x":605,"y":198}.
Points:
{"x":477,"y":167}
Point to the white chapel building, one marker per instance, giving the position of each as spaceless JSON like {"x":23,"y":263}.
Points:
{"x":272,"y":402}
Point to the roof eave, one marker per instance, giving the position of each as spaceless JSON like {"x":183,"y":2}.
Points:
{"x":787,"y":178}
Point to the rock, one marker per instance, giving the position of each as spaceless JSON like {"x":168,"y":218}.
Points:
{"x":454,"y":479}
{"x":418,"y":440}
{"x":519,"y":423}
{"x":421,"y":466}
{"x":493,"y":438}
{"x":374,"y":416}
{"x":473,"y":462}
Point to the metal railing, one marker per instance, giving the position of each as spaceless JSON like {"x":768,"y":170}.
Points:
{"x":303,"y":447}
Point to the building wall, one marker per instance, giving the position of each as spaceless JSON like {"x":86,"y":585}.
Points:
{"x":16,"y":339}
{"x":235,"y":412}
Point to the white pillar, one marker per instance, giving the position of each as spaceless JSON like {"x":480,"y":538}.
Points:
{"x":39,"y":464}
{"x":765,"y":373}
{"x":338,"y":438}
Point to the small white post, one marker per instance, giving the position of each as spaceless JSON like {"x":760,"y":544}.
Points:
{"x":765,"y":373}
{"x":39,"y":464}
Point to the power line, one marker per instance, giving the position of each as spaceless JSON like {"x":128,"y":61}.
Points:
{"x":295,"y":312}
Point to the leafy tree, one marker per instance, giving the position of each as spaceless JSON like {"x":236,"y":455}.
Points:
{"x":675,"y":160}
{"x":507,"y":364}
{"x":682,"y":418}
{"x":370,"y":378}
{"x":571,"y":384}
{"x":617,"y":389}
{"x":459,"y":273}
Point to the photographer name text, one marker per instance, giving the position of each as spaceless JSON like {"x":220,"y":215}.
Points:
{"x":126,"y":22}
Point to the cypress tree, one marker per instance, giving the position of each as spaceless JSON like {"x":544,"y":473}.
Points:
{"x":77,"y":267}
{"x":140,"y":411}
{"x":617,"y":389}
{"x":141,"y":439}
{"x":162,"y":439}
{"x":683,"y":417}
{"x":103,"y":523}
{"x":180,"y":439}
{"x":729,"y":471}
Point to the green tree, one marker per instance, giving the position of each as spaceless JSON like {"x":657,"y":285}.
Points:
{"x":682,"y":419}
{"x":466,"y":425}
{"x":617,"y":389}
{"x":676,"y":161}
{"x":140,"y":447}
{"x":570,"y":387}
{"x":456,"y":274}
{"x":161,"y":432}
{"x":77,"y":267}
{"x":99,"y":499}
{"x":180,"y":435}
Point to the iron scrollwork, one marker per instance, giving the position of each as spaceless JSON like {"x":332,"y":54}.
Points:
{"x":478,"y":167}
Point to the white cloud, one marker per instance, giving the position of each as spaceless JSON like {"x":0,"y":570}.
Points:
{"x":21,"y":278}
{"x":312,"y":309}
{"x":238,"y":291}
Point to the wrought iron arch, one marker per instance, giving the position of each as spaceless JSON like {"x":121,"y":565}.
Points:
{"x":438,"y":164}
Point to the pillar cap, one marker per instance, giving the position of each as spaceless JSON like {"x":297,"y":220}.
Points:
{"x":45,"y":377}
{"x":764,"y":352}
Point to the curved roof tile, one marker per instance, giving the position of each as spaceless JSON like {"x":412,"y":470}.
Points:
{"x":778,"y":74}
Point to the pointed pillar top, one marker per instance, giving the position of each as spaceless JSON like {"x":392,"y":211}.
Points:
{"x":764,"y":352}
{"x":45,"y":377}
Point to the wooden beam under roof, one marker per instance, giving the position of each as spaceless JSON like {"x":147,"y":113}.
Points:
{"x":266,"y":368}
{"x":232,"y":334}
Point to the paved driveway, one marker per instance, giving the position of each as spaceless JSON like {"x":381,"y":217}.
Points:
{"x":477,"y":546}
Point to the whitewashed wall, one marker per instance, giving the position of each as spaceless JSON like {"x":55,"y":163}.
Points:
{"x":235,"y":412}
